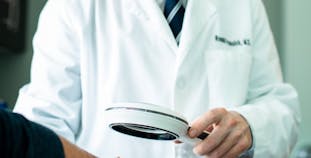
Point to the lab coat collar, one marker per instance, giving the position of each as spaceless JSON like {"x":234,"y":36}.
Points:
{"x":151,"y":13}
{"x":196,"y":16}
{"x":198,"y":13}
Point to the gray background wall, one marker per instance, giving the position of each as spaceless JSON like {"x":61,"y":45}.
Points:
{"x":297,"y":57}
{"x":14,"y":68}
{"x":290,"y":24}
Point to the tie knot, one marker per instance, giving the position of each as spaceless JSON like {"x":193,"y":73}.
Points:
{"x":174,"y":13}
{"x":170,"y":5}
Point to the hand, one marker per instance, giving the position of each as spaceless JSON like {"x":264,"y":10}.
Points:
{"x":230,"y":134}
{"x":73,"y":151}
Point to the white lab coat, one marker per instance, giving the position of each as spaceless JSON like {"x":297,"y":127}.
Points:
{"x":91,"y":53}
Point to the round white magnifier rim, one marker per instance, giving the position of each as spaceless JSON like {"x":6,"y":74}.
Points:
{"x":125,"y":115}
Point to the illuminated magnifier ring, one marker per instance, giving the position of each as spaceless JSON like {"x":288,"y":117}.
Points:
{"x":148,"y":121}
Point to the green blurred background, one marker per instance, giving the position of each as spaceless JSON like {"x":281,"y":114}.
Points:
{"x":290,"y":23}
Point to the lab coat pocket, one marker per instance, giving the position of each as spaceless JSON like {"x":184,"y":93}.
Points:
{"x":228,"y":76}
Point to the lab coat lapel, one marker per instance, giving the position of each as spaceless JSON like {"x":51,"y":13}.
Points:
{"x":150,"y":11}
{"x":197,"y":15}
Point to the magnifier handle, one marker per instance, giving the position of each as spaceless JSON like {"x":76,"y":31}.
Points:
{"x":194,"y":141}
{"x":203,"y":135}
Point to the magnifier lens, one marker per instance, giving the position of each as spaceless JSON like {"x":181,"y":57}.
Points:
{"x":144,"y":131}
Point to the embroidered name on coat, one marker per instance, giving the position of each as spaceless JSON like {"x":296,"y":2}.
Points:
{"x":245,"y":42}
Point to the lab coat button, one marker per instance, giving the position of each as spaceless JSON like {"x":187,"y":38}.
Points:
{"x":181,"y":83}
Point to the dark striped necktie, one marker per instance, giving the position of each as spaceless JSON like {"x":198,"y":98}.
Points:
{"x":174,"y":13}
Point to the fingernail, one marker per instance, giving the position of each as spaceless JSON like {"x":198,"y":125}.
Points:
{"x":193,"y":132}
{"x":195,"y":151}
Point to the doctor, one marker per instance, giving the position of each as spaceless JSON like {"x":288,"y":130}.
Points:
{"x":220,"y":69}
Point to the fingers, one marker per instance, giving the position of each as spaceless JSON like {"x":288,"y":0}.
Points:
{"x":216,"y":137}
{"x":178,"y":142}
{"x":237,"y":149}
{"x":229,"y":142}
{"x":210,"y":128}
{"x":205,"y":121}
{"x":230,"y":134}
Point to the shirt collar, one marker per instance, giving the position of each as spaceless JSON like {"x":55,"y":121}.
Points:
{"x":162,"y":2}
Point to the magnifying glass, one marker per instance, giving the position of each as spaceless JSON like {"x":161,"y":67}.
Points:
{"x":149,"y":121}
